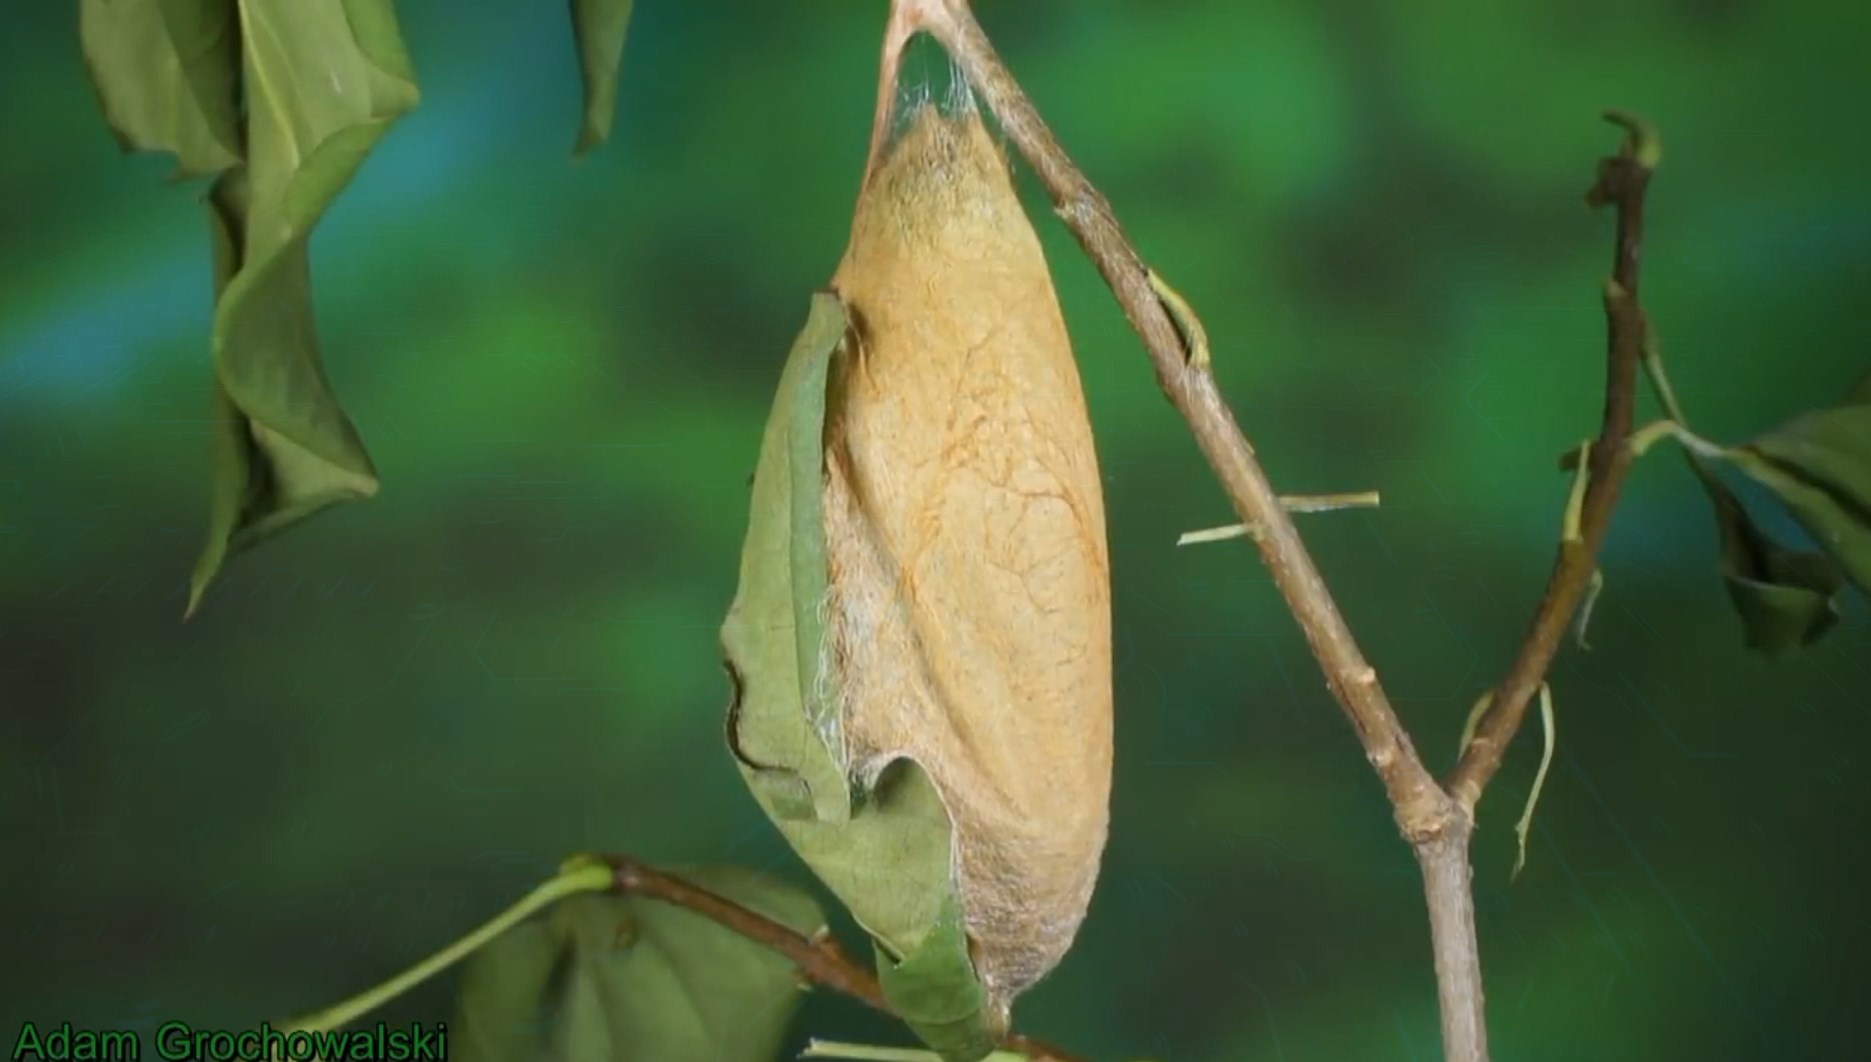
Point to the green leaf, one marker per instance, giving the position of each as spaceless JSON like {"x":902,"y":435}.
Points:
{"x":1786,"y":598}
{"x":616,"y":977}
{"x":599,"y":27}
{"x":777,"y":726}
{"x":503,"y":1003}
{"x":936,"y":993}
{"x":1819,"y":465}
{"x":167,"y":73}
{"x":885,"y":854}
{"x":325,"y":79}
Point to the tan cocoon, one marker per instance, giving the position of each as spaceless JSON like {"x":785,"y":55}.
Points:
{"x":969,"y":609}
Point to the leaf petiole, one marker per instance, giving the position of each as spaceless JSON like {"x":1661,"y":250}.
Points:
{"x":1539,"y":780}
{"x":838,"y":1052}
{"x":1182,"y":315}
{"x":1650,"y":434}
{"x":576,"y":875}
{"x":1660,"y":381}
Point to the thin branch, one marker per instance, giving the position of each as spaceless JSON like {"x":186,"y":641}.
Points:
{"x":1622,"y":181}
{"x":1448,"y":888}
{"x":1422,"y":809}
{"x":821,"y":961}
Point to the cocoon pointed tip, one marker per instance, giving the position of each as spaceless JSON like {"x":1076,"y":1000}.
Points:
{"x":968,"y":616}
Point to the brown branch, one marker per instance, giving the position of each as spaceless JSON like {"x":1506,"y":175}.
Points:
{"x":1622,"y":181}
{"x":821,"y":961}
{"x":1422,"y":809}
{"x":1448,"y":889}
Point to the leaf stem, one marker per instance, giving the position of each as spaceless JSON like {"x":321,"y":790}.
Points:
{"x":1572,"y":526}
{"x":1647,"y":436}
{"x":1660,"y":380}
{"x":841,"y":1052}
{"x":577,"y":875}
{"x":1525,"y":824}
{"x":827,"y":1049}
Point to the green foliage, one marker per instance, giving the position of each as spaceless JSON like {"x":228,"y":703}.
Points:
{"x":599,"y":26}
{"x":167,"y":74}
{"x":1786,"y":598}
{"x":318,"y":82}
{"x":777,"y":724}
{"x":607,"y":976}
{"x":1819,"y":465}
{"x":935,"y":990}
{"x":324,"y":81}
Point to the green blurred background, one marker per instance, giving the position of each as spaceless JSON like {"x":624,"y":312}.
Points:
{"x":392,"y":721}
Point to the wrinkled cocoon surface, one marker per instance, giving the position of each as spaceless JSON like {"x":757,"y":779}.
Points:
{"x":969,"y":609}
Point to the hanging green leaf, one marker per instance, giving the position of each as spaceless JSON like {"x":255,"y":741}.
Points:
{"x":168,"y":75}
{"x":325,"y":78}
{"x":620,"y":978}
{"x":599,"y":26}
{"x":935,"y":990}
{"x":1786,"y":598}
{"x":1819,"y":465}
